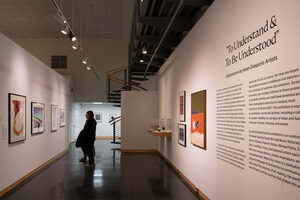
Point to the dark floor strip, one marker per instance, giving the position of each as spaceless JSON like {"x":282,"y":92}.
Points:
{"x":115,"y":176}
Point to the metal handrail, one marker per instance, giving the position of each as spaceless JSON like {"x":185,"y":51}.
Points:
{"x":114,"y":119}
{"x":133,"y":85}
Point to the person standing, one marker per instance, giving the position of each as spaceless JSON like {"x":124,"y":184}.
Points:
{"x":87,"y":140}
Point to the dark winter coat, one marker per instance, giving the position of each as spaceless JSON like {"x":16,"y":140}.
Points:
{"x":88,"y":134}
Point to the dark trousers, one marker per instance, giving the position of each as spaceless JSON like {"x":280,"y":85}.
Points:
{"x":90,"y":152}
{"x":83,"y":148}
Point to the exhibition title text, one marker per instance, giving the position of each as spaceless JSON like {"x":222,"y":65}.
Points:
{"x":234,"y":50}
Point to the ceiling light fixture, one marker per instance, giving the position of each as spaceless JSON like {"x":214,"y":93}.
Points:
{"x":85,"y":60}
{"x":75,"y":45}
{"x":144,"y":50}
{"x":60,"y":18}
{"x":97,"y":103}
{"x":64,"y":30}
{"x":67,"y":30}
{"x":141,"y":61}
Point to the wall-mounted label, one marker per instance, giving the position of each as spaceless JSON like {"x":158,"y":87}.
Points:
{"x":4,"y":132}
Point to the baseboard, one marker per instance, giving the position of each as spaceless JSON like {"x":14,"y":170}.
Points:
{"x":103,"y":138}
{"x":139,"y":151}
{"x":185,"y":179}
{"x":19,"y":182}
{"x":106,"y":137}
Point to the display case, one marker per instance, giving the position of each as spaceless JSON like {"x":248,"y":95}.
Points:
{"x":161,"y":127}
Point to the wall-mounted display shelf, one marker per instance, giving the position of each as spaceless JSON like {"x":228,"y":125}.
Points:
{"x":160,"y":133}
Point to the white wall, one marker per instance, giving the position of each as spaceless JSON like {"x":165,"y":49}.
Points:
{"x":106,"y":54}
{"x":103,"y":128}
{"x":138,"y":109}
{"x":199,"y":64}
{"x":23,"y":74}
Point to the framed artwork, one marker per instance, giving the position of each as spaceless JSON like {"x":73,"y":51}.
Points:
{"x":54,"y":116}
{"x":182,"y":134}
{"x":98,"y":117}
{"x":37,"y":118}
{"x":198,"y":119}
{"x":17,"y":118}
{"x":182,"y":106}
{"x":62,"y":117}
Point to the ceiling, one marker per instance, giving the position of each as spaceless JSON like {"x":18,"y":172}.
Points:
{"x":107,"y":19}
{"x":159,"y":26}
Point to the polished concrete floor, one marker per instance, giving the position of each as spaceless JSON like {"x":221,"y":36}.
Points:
{"x":115,"y":176}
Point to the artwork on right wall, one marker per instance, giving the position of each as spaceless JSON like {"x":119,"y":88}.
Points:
{"x":182,"y":134}
{"x":182,"y":106}
{"x":198,"y":119}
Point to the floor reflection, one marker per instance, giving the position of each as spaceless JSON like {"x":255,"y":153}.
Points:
{"x":115,"y":176}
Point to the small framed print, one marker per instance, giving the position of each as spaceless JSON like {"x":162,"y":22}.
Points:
{"x":37,"y":118}
{"x":62,"y":117}
{"x":182,"y":134}
{"x":98,"y":117}
{"x":54,"y":116}
{"x":182,"y":106}
{"x":17,"y":118}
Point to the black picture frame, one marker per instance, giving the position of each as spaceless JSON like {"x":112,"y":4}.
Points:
{"x":55,"y":128}
{"x":182,"y":117}
{"x":62,"y":122}
{"x":183,"y":128}
{"x":32,"y":116}
{"x":10,"y":131}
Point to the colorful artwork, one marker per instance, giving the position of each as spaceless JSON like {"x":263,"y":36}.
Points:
{"x":17,"y":118}
{"x":62,"y":118}
{"x":54,"y":115}
{"x":182,"y":106}
{"x":182,"y":134}
{"x":37,"y":118}
{"x":98,"y":117}
{"x":198,"y":119}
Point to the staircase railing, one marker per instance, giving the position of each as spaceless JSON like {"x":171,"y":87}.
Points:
{"x":116,"y":123}
{"x":127,"y":85}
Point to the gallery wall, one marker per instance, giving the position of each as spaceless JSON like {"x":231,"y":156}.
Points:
{"x":138,"y":110}
{"x":245,"y":55}
{"x":103,"y":127}
{"x":23,"y":74}
{"x":106,"y":54}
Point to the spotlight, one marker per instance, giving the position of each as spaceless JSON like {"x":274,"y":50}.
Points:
{"x":75,"y":45}
{"x":141,"y":61}
{"x":60,"y":18}
{"x":84,"y":61}
{"x":72,"y":36}
{"x":89,"y":67}
{"x":144,"y":50}
{"x":65,"y":30}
